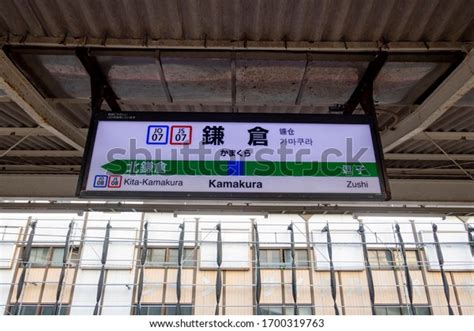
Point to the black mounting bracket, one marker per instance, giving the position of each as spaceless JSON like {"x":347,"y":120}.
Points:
{"x":100,"y":87}
{"x":363,"y":93}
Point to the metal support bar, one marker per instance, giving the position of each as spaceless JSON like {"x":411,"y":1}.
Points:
{"x":258,"y":275}
{"x":331,"y":268}
{"x":25,"y":257}
{"x":103,"y":260}
{"x":20,"y":90}
{"x":453,"y":65}
{"x":366,"y":83}
{"x":143,"y":255}
{"x":100,"y":88}
{"x":233,"y":82}
{"x":161,"y":72}
{"x":67,"y":245}
{"x":368,"y":268}
{"x":405,"y":268}
{"x":294,"y":290}
{"x":450,"y":91}
{"x":69,"y":41}
{"x":304,"y":81}
{"x":470,"y":230}
{"x":180,"y":268}
{"x":367,"y":102}
{"x":219,"y":271}
{"x":439,"y":254}
{"x":363,"y":95}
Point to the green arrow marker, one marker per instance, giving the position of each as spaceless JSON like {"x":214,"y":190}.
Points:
{"x":246,"y":168}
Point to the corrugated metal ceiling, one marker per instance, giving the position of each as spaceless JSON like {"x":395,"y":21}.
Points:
{"x":302,"y":20}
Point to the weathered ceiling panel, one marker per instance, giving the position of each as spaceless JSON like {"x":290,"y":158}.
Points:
{"x":268,"y":82}
{"x":133,"y":77}
{"x":204,"y":79}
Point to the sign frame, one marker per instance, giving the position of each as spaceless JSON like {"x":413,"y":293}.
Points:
{"x":188,"y":117}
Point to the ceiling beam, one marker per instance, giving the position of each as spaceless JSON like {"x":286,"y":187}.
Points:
{"x":428,"y":171}
{"x":100,"y":87}
{"x":459,"y":83}
{"x":20,"y":132}
{"x":39,"y":168}
{"x":427,"y":157}
{"x":161,"y":73}
{"x":431,"y":135}
{"x":41,"y":153}
{"x":304,"y":46}
{"x":365,"y":84}
{"x":22,"y":92}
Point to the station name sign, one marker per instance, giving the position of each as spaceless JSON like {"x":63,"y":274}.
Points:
{"x":232,"y":156}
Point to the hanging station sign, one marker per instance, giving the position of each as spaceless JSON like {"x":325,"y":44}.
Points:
{"x":232,"y":156}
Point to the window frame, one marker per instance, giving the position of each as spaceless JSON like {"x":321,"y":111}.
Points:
{"x":396,"y":262}
{"x":403,"y":309}
{"x":49,"y":263}
{"x":390,"y":265}
{"x":164,"y":307}
{"x":167,"y":263}
{"x":40,"y":308}
{"x":283,"y":264}
{"x":285,"y":308}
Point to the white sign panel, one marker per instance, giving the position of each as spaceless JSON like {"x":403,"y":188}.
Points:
{"x":231,"y":156}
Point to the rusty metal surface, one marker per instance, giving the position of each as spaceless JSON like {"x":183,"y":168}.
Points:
{"x":311,"y":20}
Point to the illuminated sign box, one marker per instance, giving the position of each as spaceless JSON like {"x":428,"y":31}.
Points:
{"x":232,"y":156}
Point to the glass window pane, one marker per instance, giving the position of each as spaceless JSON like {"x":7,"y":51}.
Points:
{"x":405,"y":310}
{"x":57,"y":257}
{"x":186,"y":309}
{"x":305,"y":310}
{"x":302,"y":310}
{"x":28,"y":310}
{"x":63,"y":310}
{"x":302,"y":259}
{"x":289,"y":310}
{"x":394,"y":311}
{"x":270,"y":258}
{"x":380,"y":311}
{"x":156,"y":256}
{"x":380,"y":259}
{"x":39,"y":256}
{"x":189,"y":259}
{"x":389,"y":310}
{"x":47,"y":310}
{"x":287,"y":258}
{"x":422,"y":310}
{"x":172,"y":257}
{"x":388,"y":259}
{"x":271,"y":310}
{"x":151,"y":310}
{"x":170,"y":309}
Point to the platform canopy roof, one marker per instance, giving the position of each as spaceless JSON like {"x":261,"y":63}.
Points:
{"x":263,"y":56}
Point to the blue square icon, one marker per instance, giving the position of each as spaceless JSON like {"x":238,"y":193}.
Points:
{"x":101,"y":181}
{"x":157,"y":135}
